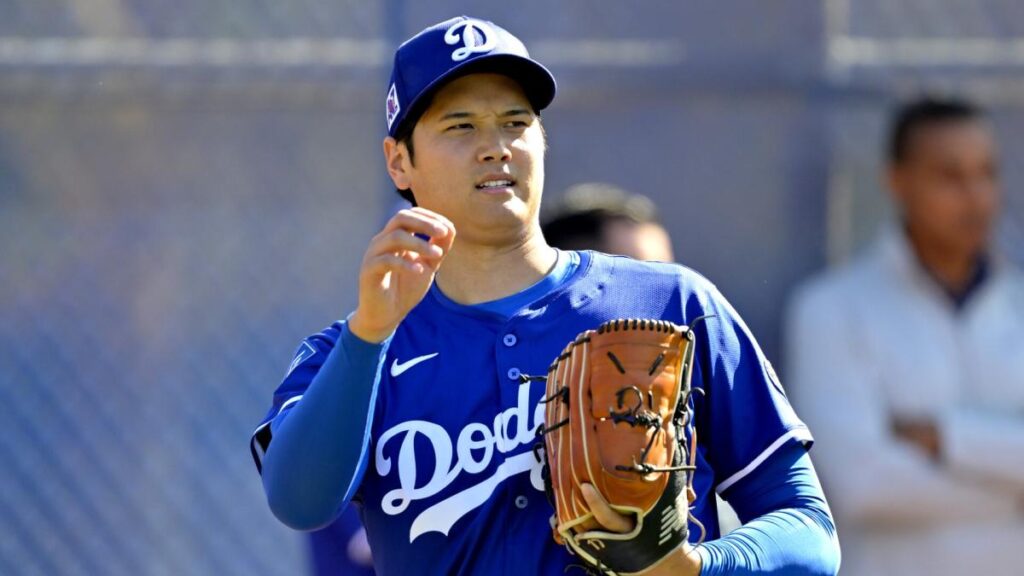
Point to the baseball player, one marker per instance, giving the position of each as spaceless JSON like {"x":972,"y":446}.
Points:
{"x":414,"y":407}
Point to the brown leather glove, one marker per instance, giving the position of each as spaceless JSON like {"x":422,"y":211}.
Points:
{"x":618,"y":417}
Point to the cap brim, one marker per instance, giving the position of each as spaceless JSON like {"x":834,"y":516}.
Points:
{"x":537,"y":82}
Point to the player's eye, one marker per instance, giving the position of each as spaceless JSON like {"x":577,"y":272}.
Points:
{"x":517,"y":124}
{"x":460,"y":126}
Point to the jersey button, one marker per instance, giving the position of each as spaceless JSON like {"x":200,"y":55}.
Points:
{"x":509,"y":340}
{"x":521,"y":502}
{"x":513,"y":373}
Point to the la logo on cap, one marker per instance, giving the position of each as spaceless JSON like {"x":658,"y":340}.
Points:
{"x":476,"y":38}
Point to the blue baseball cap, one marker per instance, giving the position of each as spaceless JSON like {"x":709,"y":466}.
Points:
{"x":454,"y":48}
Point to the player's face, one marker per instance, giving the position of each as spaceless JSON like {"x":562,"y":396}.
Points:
{"x":947,"y":186}
{"x":479,"y":159}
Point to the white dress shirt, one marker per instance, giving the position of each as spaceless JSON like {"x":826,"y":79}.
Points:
{"x":878,"y":339}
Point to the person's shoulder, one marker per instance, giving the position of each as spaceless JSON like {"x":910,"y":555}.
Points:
{"x":314,"y":349}
{"x":651,"y":275}
{"x":841,"y":282}
{"x":678,"y":285}
{"x":626,"y":268}
{"x":823,"y":285}
{"x":328,"y":337}
{"x":834,"y":296}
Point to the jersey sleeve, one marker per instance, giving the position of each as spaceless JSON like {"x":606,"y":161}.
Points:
{"x":306,"y":362}
{"x":315,"y":442}
{"x":745,"y":415}
{"x":787,"y":525}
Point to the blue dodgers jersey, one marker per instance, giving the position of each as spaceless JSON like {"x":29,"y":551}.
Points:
{"x":452,"y":485}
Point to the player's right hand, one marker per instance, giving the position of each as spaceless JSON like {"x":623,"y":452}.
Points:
{"x":397,"y":270}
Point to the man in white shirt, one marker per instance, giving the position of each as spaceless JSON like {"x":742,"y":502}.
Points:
{"x":908,"y":363}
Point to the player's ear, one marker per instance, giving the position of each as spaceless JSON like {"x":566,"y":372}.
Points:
{"x":396,"y":157}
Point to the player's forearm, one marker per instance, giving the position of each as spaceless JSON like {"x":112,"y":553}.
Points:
{"x":318,"y":453}
{"x":789,"y":542}
{"x":788,"y":528}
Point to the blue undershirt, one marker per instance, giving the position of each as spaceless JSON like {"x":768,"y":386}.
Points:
{"x":787,"y":526}
{"x":788,"y":529}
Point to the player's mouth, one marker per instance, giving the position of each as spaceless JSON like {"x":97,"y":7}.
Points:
{"x":496,"y":184}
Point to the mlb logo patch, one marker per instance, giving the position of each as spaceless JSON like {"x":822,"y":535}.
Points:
{"x":392,"y":105}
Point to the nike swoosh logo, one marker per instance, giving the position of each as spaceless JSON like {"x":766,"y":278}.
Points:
{"x":397,"y":369}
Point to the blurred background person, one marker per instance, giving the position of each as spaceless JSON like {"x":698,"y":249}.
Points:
{"x":908,"y":364}
{"x":606,"y":218}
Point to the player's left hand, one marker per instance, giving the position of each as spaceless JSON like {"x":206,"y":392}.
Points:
{"x":685,"y":562}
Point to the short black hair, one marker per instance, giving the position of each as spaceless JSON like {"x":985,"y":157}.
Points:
{"x":579,"y":219}
{"x":404,"y":136}
{"x":924,"y":111}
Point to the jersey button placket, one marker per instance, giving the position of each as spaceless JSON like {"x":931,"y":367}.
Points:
{"x":509,"y":340}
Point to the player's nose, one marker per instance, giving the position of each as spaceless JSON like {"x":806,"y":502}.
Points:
{"x":494,"y":146}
